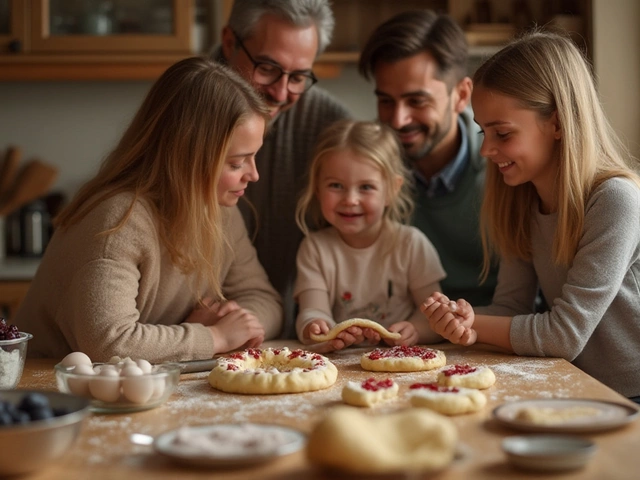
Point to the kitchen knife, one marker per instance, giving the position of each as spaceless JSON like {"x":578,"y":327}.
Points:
{"x":192,"y":366}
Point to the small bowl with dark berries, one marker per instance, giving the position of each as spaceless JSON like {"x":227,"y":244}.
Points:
{"x":37,"y":428}
{"x":13,"y":351}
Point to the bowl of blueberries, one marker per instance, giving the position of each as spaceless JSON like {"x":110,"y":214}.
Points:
{"x":37,"y":427}
{"x":13,"y":351}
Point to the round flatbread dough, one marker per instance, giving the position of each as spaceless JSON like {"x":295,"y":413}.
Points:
{"x":354,"y":322}
{"x":447,"y":400}
{"x":350,"y":439}
{"x":466,"y":376}
{"x":369,"y":392}
{"x":273,"y":370}
{"x":403,"y":359}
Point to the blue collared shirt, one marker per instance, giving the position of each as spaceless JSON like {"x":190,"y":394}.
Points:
{"x":445,"y":180}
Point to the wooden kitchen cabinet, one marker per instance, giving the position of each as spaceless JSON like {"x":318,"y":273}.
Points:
{"x":488,"y":24}
{"x":93,"y":39}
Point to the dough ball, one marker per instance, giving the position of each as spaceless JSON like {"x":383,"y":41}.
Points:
{"x":410,"y":440}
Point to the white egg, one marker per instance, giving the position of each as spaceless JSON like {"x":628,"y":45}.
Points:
{"x":159,"y":385}
{"x":144,"y":365}
{"x":106,"y":385}
{"x":76,"y":358}
{"x":115,"y":359}
{"x":80,"y":385}
{"x":105,"y":366}
{"x":136,"y":387}
{"x":131,"y":371}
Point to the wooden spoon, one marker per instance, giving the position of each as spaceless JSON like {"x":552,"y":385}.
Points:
{"x":33,"y":181}
{"x":8,"y":170}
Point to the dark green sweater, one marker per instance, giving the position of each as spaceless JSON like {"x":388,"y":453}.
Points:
{"x":451,"y":222}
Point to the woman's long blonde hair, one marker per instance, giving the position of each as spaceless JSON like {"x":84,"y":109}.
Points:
{"x":171,"y":156}
{"x":372,"y":140}
{"x":548,"y":74}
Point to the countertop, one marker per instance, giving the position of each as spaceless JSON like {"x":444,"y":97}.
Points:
{"x":104,"y":451}
{"x":18,"y":268}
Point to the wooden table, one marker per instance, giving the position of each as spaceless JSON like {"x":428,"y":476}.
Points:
{"x":104,"y":451}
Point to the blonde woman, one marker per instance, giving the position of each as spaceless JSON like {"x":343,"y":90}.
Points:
{"x":562,"y":209}
{"x":151,"y":259}
{"x":363,"y":262}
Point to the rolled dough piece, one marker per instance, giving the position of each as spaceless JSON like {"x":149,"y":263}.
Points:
{"x":403,"y":359}
{"x":354,"y":322}
{"x":466,"y":376}
{"x":355,"y":441}
{"x":369,"y":392}
{"x":273,"y":370}
{"x":555,"y":416}
{"x":447,"y":400}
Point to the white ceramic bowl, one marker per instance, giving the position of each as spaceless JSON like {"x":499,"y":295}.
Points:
{"x":548,"y":452}
{"x":119,"y":393}
{"x":30,"y":446}
{"x":12,"y":356}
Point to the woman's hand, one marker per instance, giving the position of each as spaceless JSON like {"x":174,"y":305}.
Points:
{"x":236,"y":328}
{"x":209,"y":312}
{"x":451,"y":320}
{"x":407,"y":330}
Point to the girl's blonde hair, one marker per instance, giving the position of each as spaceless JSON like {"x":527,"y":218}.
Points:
{"x":548,"y":74}
{"x":373,"y":141}
{"x":171,"y":156}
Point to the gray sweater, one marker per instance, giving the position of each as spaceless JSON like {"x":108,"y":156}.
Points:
{"x":282,"y":165}
{"x":594,"y":320}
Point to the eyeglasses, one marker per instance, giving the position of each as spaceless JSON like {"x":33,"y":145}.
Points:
{"x":268,"y":73}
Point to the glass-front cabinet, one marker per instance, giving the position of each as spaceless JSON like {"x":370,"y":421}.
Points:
{"x":12,"y":24}
{"x":111,"y":26}
{"x":94,"y":39}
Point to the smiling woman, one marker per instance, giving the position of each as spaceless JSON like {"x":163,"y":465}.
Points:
{"x":151,"y":259}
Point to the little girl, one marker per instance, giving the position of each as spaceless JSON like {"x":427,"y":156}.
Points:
{"x":366,"y":263}
{"x":562,"y":209}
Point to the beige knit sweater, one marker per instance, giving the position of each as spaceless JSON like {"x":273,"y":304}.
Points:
{"x":120,"y":294}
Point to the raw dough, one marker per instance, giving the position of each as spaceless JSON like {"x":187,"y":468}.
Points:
{"x":447,"y":400}
{"x":369,"y":392}
{"x":403,"y":359}
{"x":409,"y":440}
{"x":273,"y":370}
{"x":555,"y":416}
{"x":466,"y":376}
{"x":354,"y":322}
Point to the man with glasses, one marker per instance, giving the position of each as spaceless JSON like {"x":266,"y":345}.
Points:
{"x":273,"y":45}
{"x":418,"y":61}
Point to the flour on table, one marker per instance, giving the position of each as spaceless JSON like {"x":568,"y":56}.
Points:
{"x":228,"y":440}
{"x":10,"y":368}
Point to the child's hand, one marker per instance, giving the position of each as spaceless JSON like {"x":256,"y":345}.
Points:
{"x":238,"y":328}
{"x":346,"y":338}
{"x":451,"y":320}
{"x":407,"y":330}
{"x":371,"y":336}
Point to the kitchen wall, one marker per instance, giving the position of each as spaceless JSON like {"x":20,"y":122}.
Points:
{"x":73,"y":125}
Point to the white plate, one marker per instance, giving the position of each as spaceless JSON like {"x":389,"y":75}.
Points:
{"x":548,"y":452}
{"x":609,"y":415}
{"x":289,"y":441}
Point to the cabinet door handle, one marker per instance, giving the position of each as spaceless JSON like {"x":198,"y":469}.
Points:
{"x":15,"y":46}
